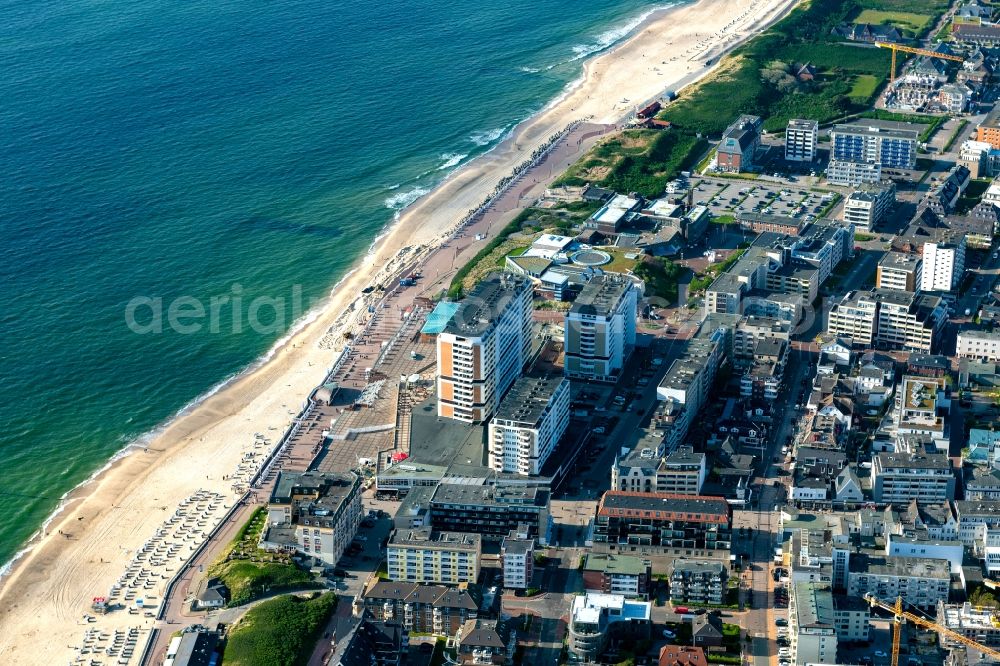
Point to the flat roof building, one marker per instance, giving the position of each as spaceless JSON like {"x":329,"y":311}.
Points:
{"x":596,"y":617}
{"x":483,"y":348}
{"x":900,"y":271}
{"x":422,"y":555}
{"x":528,"y":425}
{"x":661,"y":520}
{"x":617,"y":574}
{"x":890,"y":145}
{"x":899,"y":478}
{"x":492,"y":511}
{"x":981,"y":345}
{"x":811,"y":625}
{"x":600,"y":329}
{"x":869,"y":204}
{"x":800,"y":140}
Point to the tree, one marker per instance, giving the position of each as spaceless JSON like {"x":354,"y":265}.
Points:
{"x":982,"y":597}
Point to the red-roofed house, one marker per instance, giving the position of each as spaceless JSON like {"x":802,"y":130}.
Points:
{"x":682,"y":655}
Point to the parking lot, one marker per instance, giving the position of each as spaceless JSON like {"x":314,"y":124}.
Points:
{"x":726,"y":198}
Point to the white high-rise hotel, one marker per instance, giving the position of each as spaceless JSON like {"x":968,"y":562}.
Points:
{"x":600,"y":329}
{"x":483,"y":348}
{"x":528,"y":425}
{"x":800,"y":140}
{"x":943,"y":264}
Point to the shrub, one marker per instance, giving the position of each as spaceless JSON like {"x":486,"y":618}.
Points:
{"x":279,"y":632}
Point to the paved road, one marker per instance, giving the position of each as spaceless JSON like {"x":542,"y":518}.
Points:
{"x":549,"y":611}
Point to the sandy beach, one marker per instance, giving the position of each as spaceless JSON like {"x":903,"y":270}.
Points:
{"x":105,"y":523}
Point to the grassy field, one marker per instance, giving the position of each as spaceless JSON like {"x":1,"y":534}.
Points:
{"x":933,"y":7}
{"x":249,"y":572}
{"x":760,"y":76}
{"x":619,"y":262}
{"x":636,"y":161}
{"x":916,"y":23}
{"x":516,"y":236}
{"x":279,"y":632}
{"x":863,"y":88}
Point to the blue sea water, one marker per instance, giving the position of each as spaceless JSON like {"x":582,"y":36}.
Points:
{"x":162,"y":149}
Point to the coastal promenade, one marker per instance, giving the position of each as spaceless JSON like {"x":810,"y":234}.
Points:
{"x":302,"y":451}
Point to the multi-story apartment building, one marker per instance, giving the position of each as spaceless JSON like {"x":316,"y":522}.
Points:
{"x":492,"y":511}
{"x":423,"y":556}
{"x":684,"y":388}
{"x":739,"y":145}
{"x":982,"y":483}
{"x":869,"y":204}
{"x":892,"y":147}
{"x":648,"y":468}
{"x":920,"y":407}
{"x":812,"y":629}
{"x":855,"y":317}
{"x":681,"y":472}
{"x":617,"y":574}
{"x":595,"y":618}
{"x":919,"y":582}
{"x":978,"y":523}
{"x":820,"y":555}
{"x":725,"y":294}
{"x":600,"y":329}
{"x":528,"y":425}
{"x":483,"y":348}
{"x":975,"y":156}
{"x":517,"y":559}
{"x":765,"y":374}
{"x":314,"y":513}
{"x":852,"y":618}
{"x":749,"y":330}
{"x":430,"y":609}
{"x":698,"y":582}
{"x":917,"y":544}
{"x":800,"y":140}
{"x":794,"y":278}
{"x":981,"y":345}
{"x":898,"y":478}
{"x":846,"y":172}
{"x":900,"y":271}
{"x":889,"y":319}
{"x":775,"y":305}
{"x":632,"y":522}
{"x":911,"y":322}
{"x":943,"y":264}
{"x":823,"y":245}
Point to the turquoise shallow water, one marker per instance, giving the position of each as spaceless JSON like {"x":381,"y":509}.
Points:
{"x":161,"y":149}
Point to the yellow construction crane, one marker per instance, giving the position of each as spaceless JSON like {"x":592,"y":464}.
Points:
{"x":911,"y":49}
{"x":899,"y":615}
